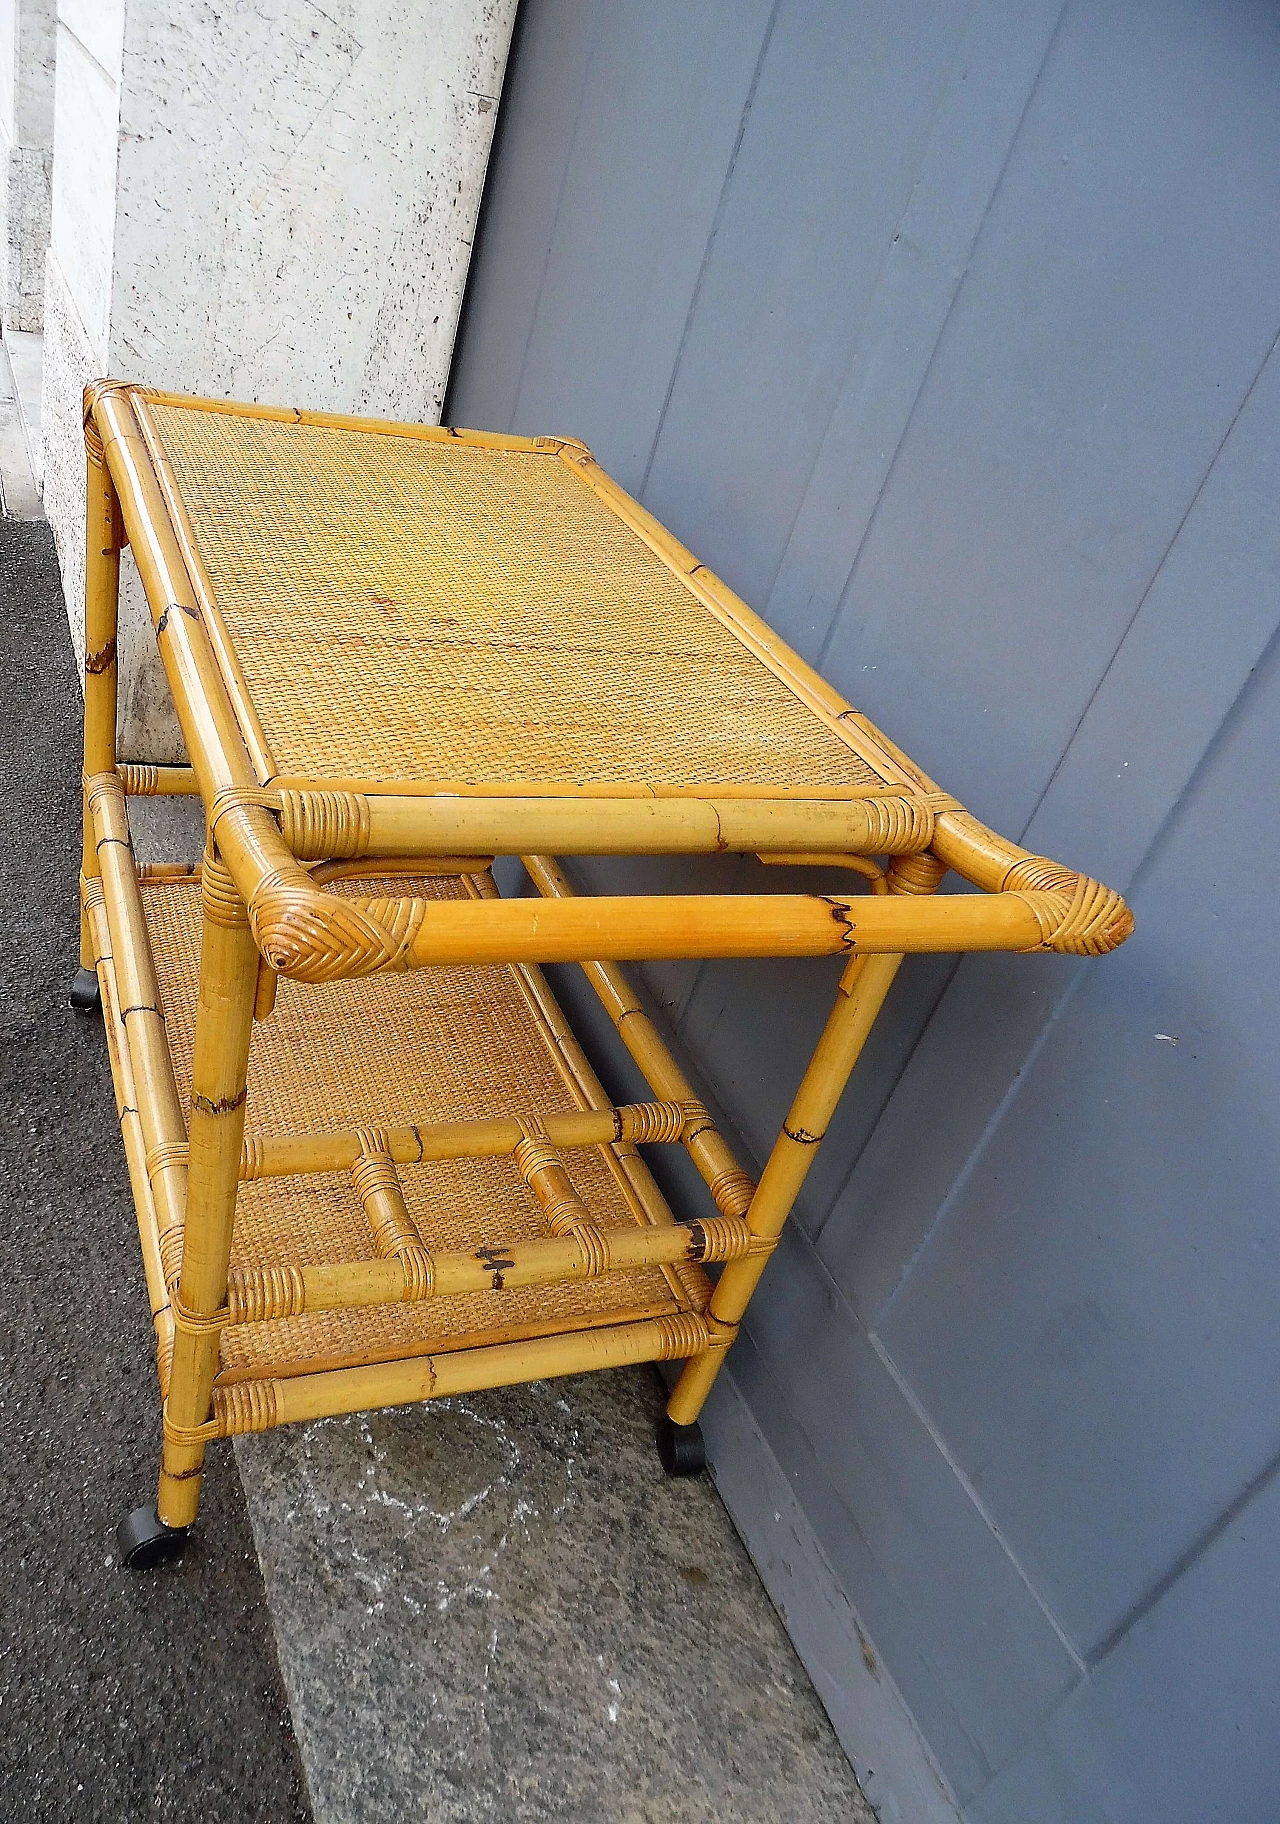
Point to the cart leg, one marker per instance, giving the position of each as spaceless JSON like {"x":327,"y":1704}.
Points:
{"x":224,"y":1021}
{"x":862,"y":991}
{"x":101,"y":608}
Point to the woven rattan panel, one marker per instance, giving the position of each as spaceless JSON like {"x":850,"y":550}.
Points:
{"x":405,"y":609}
{"x":436,"y":1044}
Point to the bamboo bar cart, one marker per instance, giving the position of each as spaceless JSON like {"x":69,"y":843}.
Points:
{"x":371,"y":1162}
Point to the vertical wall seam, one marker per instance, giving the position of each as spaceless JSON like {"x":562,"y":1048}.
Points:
{"x":717,"y":218}
{"x":993,"y":1121}
{"x":694,"y":297}
{"x":856,"y":343}
{"x":534,"y":314}
{"x":936,"y":1438}
{"x":1183,"y":1563}
{"x":890,"y":1092}
{"x":842,"y":600}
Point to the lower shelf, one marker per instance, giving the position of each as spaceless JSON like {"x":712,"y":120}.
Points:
{"x":393,"y":1050}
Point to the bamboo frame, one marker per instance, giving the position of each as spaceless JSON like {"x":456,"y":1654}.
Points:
{"x":277,"y":846}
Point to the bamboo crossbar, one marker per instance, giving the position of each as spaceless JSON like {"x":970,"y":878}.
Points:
{"x":147,"y":781}
{"x":284,"y":1155}
{"x":272,"y":1292}
{"x":258,"y":1405}
{"x":321,"y":824}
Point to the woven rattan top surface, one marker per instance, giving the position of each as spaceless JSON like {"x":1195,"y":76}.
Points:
{"x":432,"y":1045}
{"x":412,"y":609}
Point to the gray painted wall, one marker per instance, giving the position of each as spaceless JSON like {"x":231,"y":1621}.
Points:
{"x":946,"y":332}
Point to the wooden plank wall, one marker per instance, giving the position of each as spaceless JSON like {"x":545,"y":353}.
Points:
{"x":946,"y":333}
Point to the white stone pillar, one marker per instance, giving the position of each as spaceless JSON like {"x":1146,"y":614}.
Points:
{"x":268,"y":201}
{"x":26,"y":153}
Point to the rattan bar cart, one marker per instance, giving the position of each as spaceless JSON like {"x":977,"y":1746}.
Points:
{"x":371,"y":1162}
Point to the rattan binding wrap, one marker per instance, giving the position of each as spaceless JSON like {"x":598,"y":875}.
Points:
{"x":434,"y":1045}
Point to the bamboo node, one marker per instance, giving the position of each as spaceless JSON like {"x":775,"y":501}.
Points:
{"x":244,"y":1406}
{"x":321,"y":825}
{"x":219,"y":894}
{"x":719,"y":1334}
{"x":682,"y":1335}
{"x":192,"y":614}
{"x":917,"y":874}
{"x":652,"y":1123}
{"x":262,"y":1293}
{"x":225,"y":1105}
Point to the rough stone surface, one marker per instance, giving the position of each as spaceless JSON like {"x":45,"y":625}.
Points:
{"x":27,"y":55}
{"x":26,"y":235}
{"x":325,"y":165}
{"x":122,"y":1696}
{"x":497,"y":1607}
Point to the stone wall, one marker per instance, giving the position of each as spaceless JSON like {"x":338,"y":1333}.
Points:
{"x":26,"y":156}
{"x":268,"y":203}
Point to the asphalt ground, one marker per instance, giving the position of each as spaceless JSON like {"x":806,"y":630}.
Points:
{"x":122,"y":1695}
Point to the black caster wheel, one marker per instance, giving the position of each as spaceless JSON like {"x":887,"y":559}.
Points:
{"x":681,"y":1448}
{"x":85,"y":996}
{"x":144,"y":1541}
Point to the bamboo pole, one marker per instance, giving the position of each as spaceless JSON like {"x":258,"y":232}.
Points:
{"x":224,"y":1022}
{"x":261,"y":1295}
{"x":862,"y":992}
{"x":486,"y":1137}
{"x":755,"y":791}
{"x":675,"y":925}
{"x":147,"y":781}
{"x":101,"y":669}
{"x":382,"y":427}
{"x":159,"y":1106}
{"x":322,"y":824}
{"x":233,"y":677}
{"x":256,"y":1405}
{"x":131,"y":1132}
